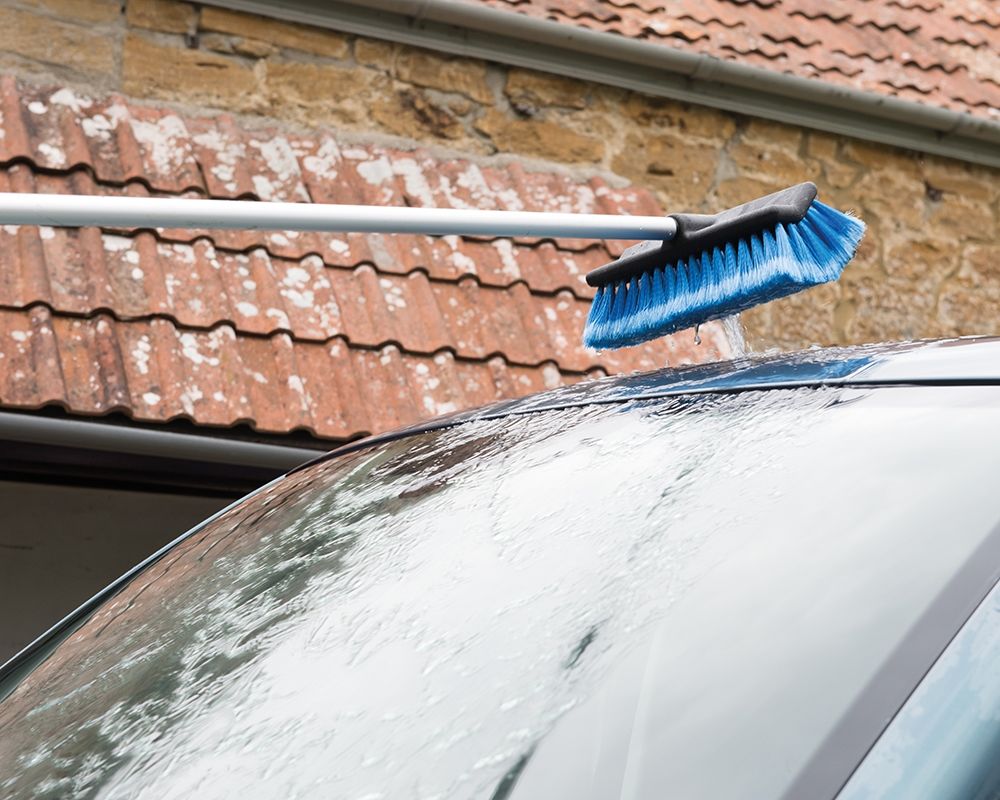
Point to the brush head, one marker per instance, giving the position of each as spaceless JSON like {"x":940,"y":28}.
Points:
{"x":719,"y":265}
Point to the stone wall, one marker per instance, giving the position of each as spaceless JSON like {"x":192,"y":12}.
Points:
{"x":930,"y":265}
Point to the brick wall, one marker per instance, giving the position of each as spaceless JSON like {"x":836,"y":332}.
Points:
{"x":930,"y":265}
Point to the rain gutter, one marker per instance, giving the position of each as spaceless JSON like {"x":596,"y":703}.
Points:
{"x":472,"y":29}
{"x":100,"y":452}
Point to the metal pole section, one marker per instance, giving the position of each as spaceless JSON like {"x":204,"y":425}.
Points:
{"x":154,"y":212}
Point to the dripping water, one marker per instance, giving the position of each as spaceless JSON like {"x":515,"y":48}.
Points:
{"x":736,"y":336}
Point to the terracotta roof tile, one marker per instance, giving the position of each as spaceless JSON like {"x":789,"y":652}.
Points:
{"x":906,"y":42}
{"x":334,"y":334}
{"x":155,"y":371}
{"x":79,"y":270}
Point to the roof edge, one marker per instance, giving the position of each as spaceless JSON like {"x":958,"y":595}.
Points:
{"x":462,"y":28}
{"x":19,"y":426}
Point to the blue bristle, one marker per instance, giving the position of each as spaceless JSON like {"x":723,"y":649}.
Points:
{"x":725,"y":281}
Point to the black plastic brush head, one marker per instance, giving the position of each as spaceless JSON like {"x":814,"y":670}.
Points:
{"x":701,"y":233}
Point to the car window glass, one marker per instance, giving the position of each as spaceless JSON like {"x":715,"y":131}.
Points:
{"x":945,"y":742}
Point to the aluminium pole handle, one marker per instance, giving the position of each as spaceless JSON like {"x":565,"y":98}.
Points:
{"x":59,"y":210}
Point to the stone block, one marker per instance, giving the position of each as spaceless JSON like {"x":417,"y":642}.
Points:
{"x":772,"y":134}
{"x":540,"y":138}
{"x":706,"y":123}
{"x":822,"y":145}
{"x":53,"y":41}
{"x":881,"y":157}
{"x":969,"y":302}
{"x":529,"y":89}
{"x":461,"y":75}
{"x":920,"y":260}
{"x":167,"y":16}
{"x":321,"y":93}
{"x":681,"y":170}
{"x":961,"y":216}
{"x":892,"y":197}
{"x":153,"y":69}
{"x":777,"y":164}
{"x":317,"y":41}
{"x":800,"y":320}
{"x":891,"y":309}
{"x":969,"y":181}
{"x":409,"y":112}
{"x":735,"y":191}
{"x":83,"y":10}
{"x":375,"y":53}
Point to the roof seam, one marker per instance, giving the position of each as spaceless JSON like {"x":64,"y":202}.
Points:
{"x":242,"y":422}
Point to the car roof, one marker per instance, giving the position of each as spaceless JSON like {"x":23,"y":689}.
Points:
{"x":965,"y":361}
{"x":962,"y":361}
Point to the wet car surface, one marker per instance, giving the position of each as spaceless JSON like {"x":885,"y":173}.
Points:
{"x":721,"y":581}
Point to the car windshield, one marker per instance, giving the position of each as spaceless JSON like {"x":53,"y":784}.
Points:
{"x":666,"y":598}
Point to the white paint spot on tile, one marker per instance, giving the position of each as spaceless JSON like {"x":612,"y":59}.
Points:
{"x":299,"y":299}
{"x":323,"y":163}
{"x":19,"y":336}
{"x":551,"y":376}
{"x":11,"y":229}
{"x":185,"y":251}
{"x":191,"y":351}
{"x":463,"y":263}
{"x":247,"y":309}
{"x":100,"y":126}
{"x":339,"y":247}
{"x":414,"y":181}
{"x":376,"y":172}
{"x":115,"y":244}
{"x":53,"y":155}
{"x":163,"y":141}
{"x":66,"y":97}
{"x":46,"y":232}
{"x":280,"y":158}
{"x":249,"y":285}
{"x":229,"y":155}
{"x":137,"y":274}
{"x":507,"y":258}
{"x":140,"y":355}
{"x":151,"y":398}
{"x":189,"y":398}
{"x":263,"y":187}
{"x":35,"y":107}
{"x":132,"y":256}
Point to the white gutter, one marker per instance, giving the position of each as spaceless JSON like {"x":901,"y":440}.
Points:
{"x":472,"y":29}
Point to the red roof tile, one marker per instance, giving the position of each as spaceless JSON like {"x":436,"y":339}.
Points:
{"x":893,"y":47}
{"x":335,"y":334}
